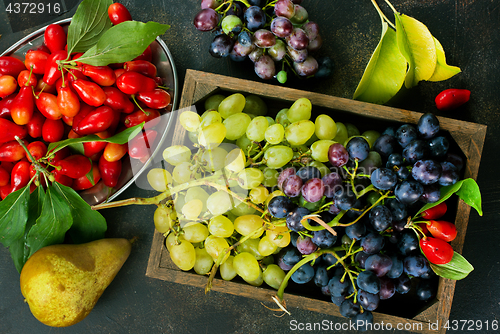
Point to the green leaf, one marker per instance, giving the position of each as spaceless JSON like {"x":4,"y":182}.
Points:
{"x":14,"y":215}
{"x":119,"y":138}
{"x":416,"y":44}
{"x":54,"y":221}
{"x":471,"y":195}
{"x":90,"y":174}
{"x":457,"y":269}
{"x":123,"y":42}
{"x":385,"y":73}
{"x":88,"y":225}
{"x":89,"y":23}
{"x":443,"y":71}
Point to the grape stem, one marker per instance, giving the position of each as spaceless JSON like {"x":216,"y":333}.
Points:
{"x":364,"y":212}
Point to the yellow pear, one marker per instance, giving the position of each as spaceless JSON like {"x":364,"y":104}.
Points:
{"x":62,"y":283}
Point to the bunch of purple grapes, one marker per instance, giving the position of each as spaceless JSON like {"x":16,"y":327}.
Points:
{"x":407,"y":165}
{"x":276,"y":36}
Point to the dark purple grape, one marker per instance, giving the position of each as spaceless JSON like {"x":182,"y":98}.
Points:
{"x":431,"y":194}
{"x":358,"y":148}
{"x":245,"y":39}
{"x":383,"y":179}
{"x":325,"y":67}
{"x":221,"y":46}
{"x":300,"y":15}
{"x":283,"y":265}
{"x":308,"y":172}
{"x":344,"y":198}
{"x":416,"y":150}
{"x":405,"y":134}
{"x":349,"y":309}
{"x":210,"y":4}
{"x":307,"y":68}
{"x":280,"y":206}
{"x":284,"y":8}
{"x":390,"y":130}
{"x":360,"y":258}
{"x":206,"y":19}
{"x":385,"y":145}
{"x":368,"y":281}
{"x":294,"y":218}
{"x":305,"y":245}
{"x":337,"y":300}
{"x":426,"y":290}
{"x":438,"y":147}
{"x":387,"y":288}
{"x":408,"y":243}
{"x":372,"y":243}
{"x":303,"y":274}
{"x":312,"y":30}
{"x":369,"y":301}
{"x":263,"y":38}
{"x":403,"y":173}
{"x":281,"y":26}
{"x":397,"y":266}
{"x":235,"y":9}
{"x":449,"y":174}
{"x":403,"y":284}
{"x":255,"y":18}
{"x":315,"y":44}
{"x":394,"y":160}
{"x":338,"y":287}
{"x":380,"y":218}
{"x":337,"y":155}
{"x":297,"y":56}
{"x":363,"y":321}
{"x":398,"y":225}
{"x":356,"y":231}
{"x":290,"y":256}
{"x":254,"y":2}
{"x":292,"y":186}
{"x":408,"y":192}
{"x":325,"y":291}
{"x":455,"y":159}
{"x":380,"y":264}
{"x":240,"y":52}
{"x":298,"y":39}
{"x":264,"y":67}
{"x":334,"y":209}
{"x":284,"y":174}
{"x":428,"y":126}
{"x":324,"y":239}
{"x":321,"y":276}
{"x":426,"y":171}
{"x":398,"y":209}
{"x":332,"y":181}
{"x":416,"y":265}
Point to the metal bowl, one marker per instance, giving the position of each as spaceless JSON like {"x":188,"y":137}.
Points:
{"x":131,"y":169}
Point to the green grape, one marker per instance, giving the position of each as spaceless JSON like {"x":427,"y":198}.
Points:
{"x":195,"y":232}
{"x":212,"y":135}
{"x":236,"y":125}
{"x":210,"y":117}
{"x":182,"y":173}
{"x":373,"y":197}
{"x":226,"y":269}
{"x":250,"y":246}
{"x":177,"y":154}
{"x":279,"y":235}
{"x":371,"y":136}
{"x":171,"y":240}
{"x":235,"y":160}
{"x":219,"y":202}
{"x":298,"y":133}
{"x":282,"y":118}
{"x":321,"y":166}
{"x":190,"y":120}
{"x":281,"y":76}
{"x":258,"y":195}
{"x":266,"y":246}
{"x":159,"y":179}
{"x":278,"y":156}
{"x":273,"y":276}
{"x":213,"y":159}
{"x":300,"y":110}
{"x":311,"y":140}
{"x":270,"y":120}
{"x":213,"y":101}
{"x":164,"y":218}
{"x":352,"y":130}
{"x":248,"y":147}
{"x":258,"y":281}
{"x":192,"y":209}
{"x":183,"y":255}
{"x":204,"y":261}
{"x":246,"y":266}
{"x":274,"y":134}
{"x":325,"y":127}
{"x":232,"y":104}
{"x":221,"y":226}
{"x":270,"y":176}
{"x":256,"y":130}
{"x":320,"y":150}
{"x":248,"y":224}
{"x":255,"y":105}
{"x":197,"y":193}
{"x":242,"y":209}
{"x":230,"y":23}
{"x":193,"y":137}
{"x":250,"y":178}
{"x":267,"y":260}
{"x":341,"y":135}
{"x":215,"y":246}
{"x":373,"y":161}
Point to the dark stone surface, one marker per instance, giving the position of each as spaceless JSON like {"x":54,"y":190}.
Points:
{"x":470,"y":34}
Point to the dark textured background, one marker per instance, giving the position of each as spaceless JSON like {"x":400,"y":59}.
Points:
{"x":470,"y":34}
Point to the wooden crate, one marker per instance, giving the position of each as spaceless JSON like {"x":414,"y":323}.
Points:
{"x":469,"y":138}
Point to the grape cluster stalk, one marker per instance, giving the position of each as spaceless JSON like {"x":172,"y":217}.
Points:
{"x":276,"y":35}
{"x":287,"y":201}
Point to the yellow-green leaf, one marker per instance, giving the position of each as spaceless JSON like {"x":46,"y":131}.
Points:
{"x":443,"y":71}
{"x":416,"y":44}
{"x":385,"y":72}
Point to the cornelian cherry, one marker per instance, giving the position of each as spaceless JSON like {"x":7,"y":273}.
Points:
{"x":156,"y":99}
{"x":74,"y":166}
{"x":442,"y":230}
{"x":48,"y":106}
{"x":90,"y":92}
{"x":23,"y":106}
{"x":52,"y":130}
{"x":437,"y":251}
{"x":37,"y":61}
{"x":118,"y":13}
{"x":134,"y":82}
{"x":102,"y":75}
{"x":8,"y":85}
{"x":55,"y":37}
